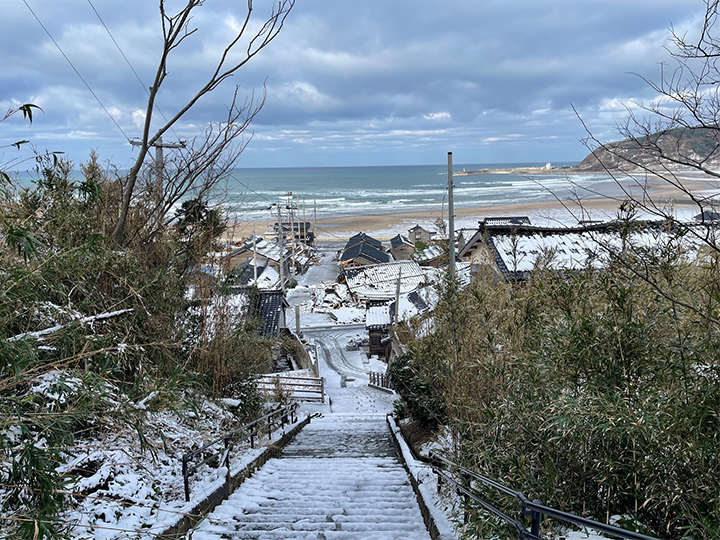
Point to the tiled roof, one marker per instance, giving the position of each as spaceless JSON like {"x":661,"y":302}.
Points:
{"x":367,"y":251}
{"x":399,"y":240}
{"x":379,"y":281}
{"x":269,"y":309}
{"x":506,"y":221}
{"x":518,"y":253}
{"x":263,"y":248}
{"x":363,"y":238}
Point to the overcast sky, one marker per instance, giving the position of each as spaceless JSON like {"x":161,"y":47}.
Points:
{"x":349,"y":82}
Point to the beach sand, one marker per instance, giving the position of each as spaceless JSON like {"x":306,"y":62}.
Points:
{"x":385,"y":226}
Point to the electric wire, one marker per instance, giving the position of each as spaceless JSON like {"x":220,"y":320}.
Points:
{"x":127,"y":61}
{"x":75,"y":70}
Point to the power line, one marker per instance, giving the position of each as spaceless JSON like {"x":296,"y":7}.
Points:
{"x":76,"y":71}
{"x":127,"y":61}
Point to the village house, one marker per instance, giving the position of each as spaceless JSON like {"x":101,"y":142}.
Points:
{"x":381,"y":315}
{"x":401,"y":248}
{"x":418,"y":234}
{"x":378,"y":320}
{"x":361,"y":250}
{"x":515,"y":251}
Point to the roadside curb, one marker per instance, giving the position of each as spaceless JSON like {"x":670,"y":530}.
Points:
{"x":198,"y":512}
{"x":424,"y":484}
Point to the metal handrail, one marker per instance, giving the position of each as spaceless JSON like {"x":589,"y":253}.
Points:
{"x":534,"y":509}
{"x":249,"y":430}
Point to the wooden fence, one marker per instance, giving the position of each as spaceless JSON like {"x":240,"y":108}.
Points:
{"x":381,"y":380}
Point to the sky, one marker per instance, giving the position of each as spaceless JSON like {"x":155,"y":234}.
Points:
{"x":348,"y":82}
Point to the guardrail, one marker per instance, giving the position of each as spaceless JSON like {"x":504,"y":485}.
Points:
{"x":298,"y":388}
{"x":462,"y":478}
{"x":277,"y":418}
{"x":381,"y":380}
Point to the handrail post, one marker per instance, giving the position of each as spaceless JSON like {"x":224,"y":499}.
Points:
{"x":186,"y":481}
{"x":535,"y":523}
{"x":465,"y":481}
{"x":228,"y":445}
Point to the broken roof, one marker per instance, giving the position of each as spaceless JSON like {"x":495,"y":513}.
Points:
{"x":379,"y":281}
{"x":430,"y":253}
{"x":262,"y":247}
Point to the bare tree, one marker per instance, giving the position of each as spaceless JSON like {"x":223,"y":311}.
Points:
{"x":677,"y":134}
{"x":194,"y":172}
{"x":673,"y":142}
{"x":245,"y":45}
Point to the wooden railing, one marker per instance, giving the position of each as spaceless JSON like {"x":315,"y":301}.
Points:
{"x":297,"y":388}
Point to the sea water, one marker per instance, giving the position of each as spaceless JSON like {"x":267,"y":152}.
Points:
{"x":253,"y":193}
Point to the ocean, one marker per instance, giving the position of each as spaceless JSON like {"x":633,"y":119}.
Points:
{"x":250,"y":194}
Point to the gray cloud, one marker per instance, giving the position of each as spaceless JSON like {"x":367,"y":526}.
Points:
{"x":350,"y":82}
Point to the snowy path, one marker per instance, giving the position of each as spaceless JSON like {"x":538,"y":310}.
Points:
{"x":340,"y":479}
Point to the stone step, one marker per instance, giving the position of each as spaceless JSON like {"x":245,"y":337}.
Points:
{"x":339,"y":479}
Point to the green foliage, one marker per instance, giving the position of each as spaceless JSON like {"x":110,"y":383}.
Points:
{"x":422,"y":397}
{"x":58,"y":267}
{"x":591,"y":392}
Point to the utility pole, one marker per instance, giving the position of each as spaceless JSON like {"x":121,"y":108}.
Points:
{"x":281,"y":241}
{"x":292,"y":235}
{"x":159,"y":156}
{"x":316,"y":229}
{"x":305,"y":231}
{"x":451,"y":218}
{"x":397,"y":297}
{"x":254,"y":257}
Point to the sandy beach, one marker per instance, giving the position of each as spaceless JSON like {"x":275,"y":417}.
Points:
{"x":386,"y":225}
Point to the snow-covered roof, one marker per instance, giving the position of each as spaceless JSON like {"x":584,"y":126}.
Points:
{"x":429,"y":253}
{"x":505,"y":221}
{"x":378,"y":316}
{"x":262,"y":247}
{"x":379,"y":281}
{"x":519,"y":253}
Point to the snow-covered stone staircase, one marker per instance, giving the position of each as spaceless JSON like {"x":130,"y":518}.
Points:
{"x":340,"y":479}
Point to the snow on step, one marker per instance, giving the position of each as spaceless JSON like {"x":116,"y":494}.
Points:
{"x":340,"y":479}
